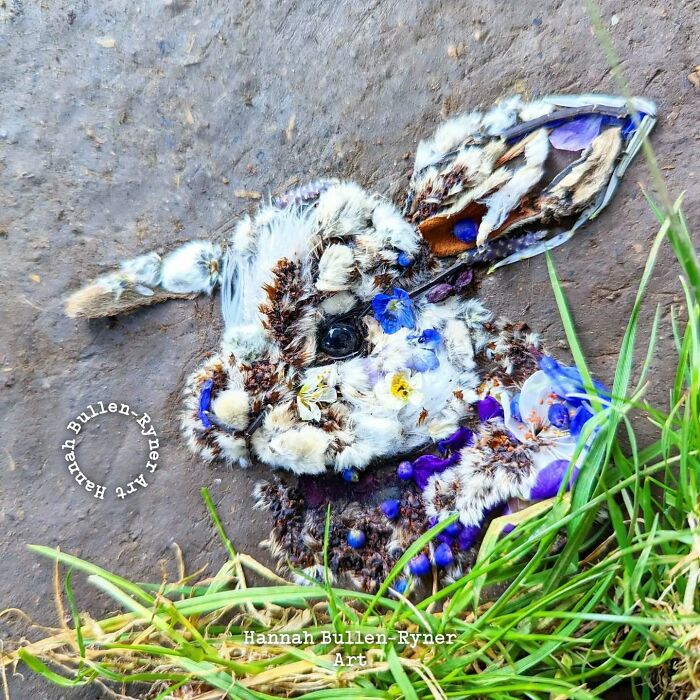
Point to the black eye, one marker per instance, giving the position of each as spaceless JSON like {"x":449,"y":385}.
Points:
{"x":340,"y":339}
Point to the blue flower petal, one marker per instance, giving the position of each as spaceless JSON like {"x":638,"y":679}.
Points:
{"x":580,"y":418}
{"x":558,"y":416}
{"x":205,"y":402}
{"x":391,"y":508}
{"x":468,"y":536}
{"x":405,"y":470}
{"x":423,"y":361}
{"x":379,"y":303}
{"x":350,"y":475}
{"x":356,"y":538}
{"x":419,"y":566}
{"x":567,"y":380}
{"x":442,"y":556}
{"x":515,"y":408}
{"x":430,"y":338}
{"x":394,"y":311}
{"x":400,"y":585}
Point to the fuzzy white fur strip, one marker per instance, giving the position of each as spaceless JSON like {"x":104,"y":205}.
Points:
{"x":505,"y":200}
{"x":193,"y":267}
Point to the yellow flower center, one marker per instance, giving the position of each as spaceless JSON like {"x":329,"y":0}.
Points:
{"x":400,"y":388}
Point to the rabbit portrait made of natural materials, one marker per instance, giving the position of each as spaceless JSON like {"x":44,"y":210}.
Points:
{"x":348,"y":340}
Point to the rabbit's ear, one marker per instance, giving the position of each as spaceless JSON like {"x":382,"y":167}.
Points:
{"x":193,"y":268}
{"x":522,"y":178}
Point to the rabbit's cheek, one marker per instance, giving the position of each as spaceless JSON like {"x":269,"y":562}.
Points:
{"x":233,"y":408}
{"x":301,"y":450}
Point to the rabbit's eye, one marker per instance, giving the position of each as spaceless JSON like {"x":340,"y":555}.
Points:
{"x":340,"y":339}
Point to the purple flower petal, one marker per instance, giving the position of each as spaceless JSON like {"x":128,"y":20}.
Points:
{"x":468,"y":536}
{"x":427,"y":465}
{"x":439,"y":292}
{"x":464,"y":280}
{"x":459,"y":439}
{"x":489,"y":408}
{"x":576,"y":134}
{"x":549,"y":480}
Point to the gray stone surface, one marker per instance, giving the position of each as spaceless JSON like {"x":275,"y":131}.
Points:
{"x":128,"y":126}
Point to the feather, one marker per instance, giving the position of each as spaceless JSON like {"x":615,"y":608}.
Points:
{"x":449,"y":136}
{"x":505,"y":200}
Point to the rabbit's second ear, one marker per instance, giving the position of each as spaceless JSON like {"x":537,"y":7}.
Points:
{"x":193,"y":268}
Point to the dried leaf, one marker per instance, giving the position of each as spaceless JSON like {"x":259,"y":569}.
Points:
{"x":455,"y":50}
{"x":694,"y":77}
{"x":248,"y":194}
{"x":289,"y":131}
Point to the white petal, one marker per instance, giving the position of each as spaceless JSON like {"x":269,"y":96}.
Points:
{"x":415,"y":398}
{"x":308,"y":411}
{"x":534,"y":399}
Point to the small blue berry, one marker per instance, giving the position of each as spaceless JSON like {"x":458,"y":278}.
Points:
{"x":558,"y":416}
{"x":404,"y":259}
{"x":443,"y":555}
{"x":419,"y":566}
{"x":466,"y":230}
{"x":356,"y":539}
{"x":390,"y":508}
{"x":453,"y":529}
{"x":350,"y":475}
{"x":405,"y":470}
{"x":400,"y":585}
